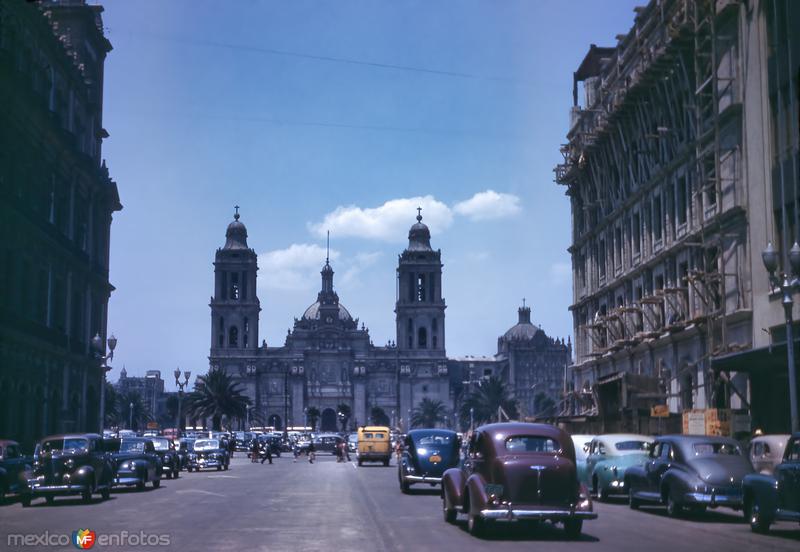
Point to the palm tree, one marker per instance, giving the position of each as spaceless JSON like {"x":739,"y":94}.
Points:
{"x":343,"y":411}
{"x":313,"y":415}
{"x":133,"y":410}
{"x":428,"y":413}
{"x":378,"y":416}
{"x":486,"y":400}
{"x":217,"y":395}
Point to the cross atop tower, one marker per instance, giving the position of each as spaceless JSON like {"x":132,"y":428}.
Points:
{"x":419,"y":214}
{"x":236,"y":215}
{"x":328,"y":249}
{"x":523,"y":302}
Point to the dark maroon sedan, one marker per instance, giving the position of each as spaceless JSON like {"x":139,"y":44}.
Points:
{"x":517,"y":471}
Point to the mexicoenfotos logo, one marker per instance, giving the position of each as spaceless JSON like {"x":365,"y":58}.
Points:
{"x":84,"y":539}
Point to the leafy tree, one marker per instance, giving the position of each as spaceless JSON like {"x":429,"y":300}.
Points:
{"x":377,"y":416}
{"x":543,"y":406}
{"x":343,"y":412}
{"x":217,"y":395}
{"x":428,"y":413}
{"x":313,"y":415}
{"x":486,"y":399}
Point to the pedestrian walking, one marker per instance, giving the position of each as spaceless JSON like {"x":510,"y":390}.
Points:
{"x":312,"y":452}
{"x":232,"y":445}
{"x":254,"y":450}
{"x":267,"y":452}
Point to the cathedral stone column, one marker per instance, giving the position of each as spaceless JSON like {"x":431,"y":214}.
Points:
{"x":360,"y":413}
{"x":298,"y":404}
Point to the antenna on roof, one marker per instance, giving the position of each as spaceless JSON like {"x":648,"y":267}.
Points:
{"x":328,"y":248}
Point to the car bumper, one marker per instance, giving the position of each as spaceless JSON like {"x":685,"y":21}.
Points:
{"x":422,"y":479}
{"x":714,"y":499}
{"x":39,"y":489}
{"x":207,"y":464}
{"x":514,"y":514}
{"x":126,"y":480}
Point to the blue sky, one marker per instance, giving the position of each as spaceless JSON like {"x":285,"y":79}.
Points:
{"x":456,"y":106}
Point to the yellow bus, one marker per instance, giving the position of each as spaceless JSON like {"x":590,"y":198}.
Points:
{"x":374,"y":445}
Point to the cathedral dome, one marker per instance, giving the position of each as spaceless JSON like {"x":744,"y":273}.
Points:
{"x":523,"y":329}
{"x":236,"y":234}
{"x":312,"y":312}
{"x":419,"y":236}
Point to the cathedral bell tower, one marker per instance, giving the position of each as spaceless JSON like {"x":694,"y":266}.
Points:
{"x":234,"y":306}
{"x":420,"y":307}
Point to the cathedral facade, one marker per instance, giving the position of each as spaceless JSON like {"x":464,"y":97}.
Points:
{"x":328,"y":358}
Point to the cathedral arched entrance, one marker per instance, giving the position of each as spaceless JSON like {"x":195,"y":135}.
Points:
{"x":328,"y":423}
{"x":276,"y":422}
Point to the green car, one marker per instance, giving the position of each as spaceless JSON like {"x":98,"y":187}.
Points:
{"x":581,"y":444}
{"x":608,"y":458}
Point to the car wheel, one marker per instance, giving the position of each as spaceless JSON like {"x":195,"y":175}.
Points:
{"x":2,"y":494}
{"x":86,"y":496}
{"x":602,"y":495}
{"x":405,"y":487}
{"x":106,"y":493}
{"x":573,"y":527}
{"x":156,"y":483}
{"x":50,"y":500}
{"x":476,"y":525}
{"x":633,"y":502}
{"x":140,"y":485}
{"x":176,"y":472}
{"x":757,"y":522}
{"x":450,"y":514}
{"x":673,"y":508}
{"x":226,"y":467}
{"x":219,"y":468}
{"x":360,"y":462}
{"x":385,"y":462}
{"x":26,"y":500}
{"x":189,"y":469}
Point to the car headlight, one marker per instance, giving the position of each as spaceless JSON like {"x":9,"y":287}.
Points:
{"x":125,"y":466}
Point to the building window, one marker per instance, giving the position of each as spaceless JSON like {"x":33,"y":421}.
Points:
{"x":434,"y":331}
{"x":410,"y":333}
{"x":601,"y":260}
{"x":637,"y":233}
{"x":233,"y":337}
{"x":658,"y":219}
{"x":224,"y":286}
{"x":244,"y":340}
{"x":681,"y":199}
{"x":234,"y":286}
{"x":221,"y":339}
{"x":617,"y":247}
{"x":420,"y":287}
{"x":246,"y":325}
{"x":244,"y":286}
{"x":422,"y":338}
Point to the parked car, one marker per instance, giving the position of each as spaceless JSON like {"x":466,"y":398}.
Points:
{"x":771,"y":498}
{"x":208,"y":453}
{"x":243,"y":440}
{"x":373,"y":445}
{"x":184,"y":449}
{"x":327,"y":442}
{"x":517,"y":471}
{"x":608,"y":459}
{"x":273,"y":442}
{"x":766,"y":452}
{"x":14,"y":468}
{"x":135,"y":462}
{"x":581,"y":444}
{"x":693,"y":471}
{"x":170,"y":462}
{"x":352,"y":442}
{"x":427,"y":453}
{"x":74,"y":464}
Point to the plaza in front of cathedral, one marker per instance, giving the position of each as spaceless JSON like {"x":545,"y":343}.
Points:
{"x":328,"y":358}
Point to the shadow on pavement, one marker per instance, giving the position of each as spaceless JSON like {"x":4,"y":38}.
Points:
{"x":527,"y":531}
{"x":66,"y":501}
{"x":709,"y":516}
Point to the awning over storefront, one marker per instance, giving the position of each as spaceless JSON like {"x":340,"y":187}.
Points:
{"x":762,"y":359}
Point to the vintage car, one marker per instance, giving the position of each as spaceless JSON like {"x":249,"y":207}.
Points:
{"x":14,"y":468}
{"x":243,"y":440}
{"x":766,"y":452}
{"x":352,"y":442}
{"x":374,"y":445}
{"x":517,"y":471}
{"x":274,"y":442}
{"x":135,"y":462}
{"x":184,"y":449}
{"x":694,"y":471}
{"x":427,"y":453}
{"x":170,"y":461}
{"x":608,"y":459}
{"x":208,"y":453}
{"x":75,"y":464}
{"x":327,"y":442}
{"x":768,"y":498}
{"x":581,"y":444}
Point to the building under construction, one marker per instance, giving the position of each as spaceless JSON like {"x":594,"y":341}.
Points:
{"x":681,"y":165}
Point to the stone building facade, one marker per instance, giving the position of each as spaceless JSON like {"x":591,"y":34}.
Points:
{"x":56,"y":204}
{"x":679,"y":154}
{"x":328,"y":357}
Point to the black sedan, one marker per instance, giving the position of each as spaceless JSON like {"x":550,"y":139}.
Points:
{"x":427,"y":453}
{"x":14,"y":467}
{"x":135,"y":462}
{"x":170,"y":461}
{"x":689,"y":471}
{"x":208,"y":453}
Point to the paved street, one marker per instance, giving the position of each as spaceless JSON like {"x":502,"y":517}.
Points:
{"x":298,"y":506}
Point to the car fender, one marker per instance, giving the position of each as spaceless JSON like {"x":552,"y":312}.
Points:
{"x":762,"y":490}
{"x":452,"y":487}
{"x":84,"y":475}
{"x":635,"y":478}
{"x":676,"y":481}
{"x":476,"y":489}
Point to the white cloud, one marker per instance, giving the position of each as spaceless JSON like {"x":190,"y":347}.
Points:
{"x":294,"y":268}
{"x":561,"y":273}
{"x":488,"y":205}
{"x":388,"y":222}
{"x":353,"y":268}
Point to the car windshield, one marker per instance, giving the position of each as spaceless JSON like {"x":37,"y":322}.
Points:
{"x":161,"y":444}
{"x":531,"y":443}
{"x":642,"y":446}
{"x":65,"y":445}
{"x":206,"y":444}
{"x":433,"y":440}
{"x":131,"y":446}
{"x":711,"y":449}
{"x":353,"y":438}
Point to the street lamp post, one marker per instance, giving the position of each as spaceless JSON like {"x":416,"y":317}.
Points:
{"x":471,"y":418}
{"x":99,"y":351}
{"x":787,"y":284}
{"x":186,"y":375}
{"x":130,"y":416}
